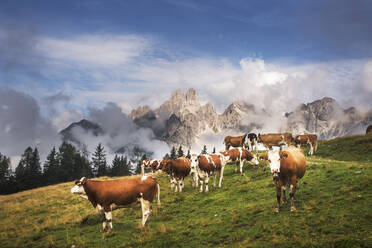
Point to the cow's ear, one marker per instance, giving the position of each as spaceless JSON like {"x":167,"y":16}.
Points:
{"x":77,"y":182}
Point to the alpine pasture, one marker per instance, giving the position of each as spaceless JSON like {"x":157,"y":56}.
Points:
{"x":333,"y":210}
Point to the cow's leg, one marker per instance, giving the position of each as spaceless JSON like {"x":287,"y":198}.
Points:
{"x":284,"y":196}
{"x":292,"y":190}
{"x":311,"y":150}
{"x":278,"y":195}
{"x":214,"y":179}
{"x":241,"y":165}
{"x":146,"y":210}
{"x":221,"y":176}
{"x":172,"y":183}
{"x":206,"y":183}
{"x":201,"y":185}
{"x":101,"y":213}
{"x":236,"y":167}
{"x":181,"y":184}
{"x":108,"y":216}
{"x":176,"y":187}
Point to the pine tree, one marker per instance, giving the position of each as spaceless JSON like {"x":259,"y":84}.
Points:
{"x":4,"y":167}
{"x":166,"y":156}
{"x":204,"y":151}
{"x":51,"y":167}
{"x":214,"y":150}
{"x":5,"y":175}
{"x":99,"y":162}
{"x":35,"y":173}
{"x":180,"y":152}
{"x":173,"y":154}
{"x":188,"y":154}
{"x":28,"y":171}
{"x":67,"y":162}
{"x":120,"y":166}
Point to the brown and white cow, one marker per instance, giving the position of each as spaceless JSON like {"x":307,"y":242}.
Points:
{"x":149,"y":163}
{"x":177,"y":169}
{"x":109,"y":195}
{"x":287,"y":167}
{"x":275,"y":139}
{"x":307,"y":139}
{"x":237,"y":141}
{"x":205,"y":166}
{"x":240,"y":155}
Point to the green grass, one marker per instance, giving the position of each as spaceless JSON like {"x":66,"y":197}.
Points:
{"x":333,"y":210}
{"x":350,"y":148}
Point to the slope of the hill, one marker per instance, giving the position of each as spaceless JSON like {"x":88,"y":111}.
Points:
{"x":348,"y":148}
{"x":333,"y":210}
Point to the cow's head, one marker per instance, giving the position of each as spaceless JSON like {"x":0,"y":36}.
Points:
{"x":79,"y":187}
{"x":254,"y":160}
{"x":274,"y":159}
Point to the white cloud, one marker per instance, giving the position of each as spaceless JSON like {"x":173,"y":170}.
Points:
{"x":94,"y":50}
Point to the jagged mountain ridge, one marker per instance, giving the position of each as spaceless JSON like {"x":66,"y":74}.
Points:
{"x":182,"y":119}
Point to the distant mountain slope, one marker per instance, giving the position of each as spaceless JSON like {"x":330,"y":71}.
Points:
{"x":327,"y":119}
{"x":87,"y":126}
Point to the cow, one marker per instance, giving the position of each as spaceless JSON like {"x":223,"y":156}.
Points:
{"x":149,"y":163}
{"x":177,"y":169}
{"x":287,"y":167}
{"x":253,"y":140}
{"x":240,"y":155}
{"x":236,"y":141}
{"x":109,"y":195}
{"x":205,"y":166}
{"x":307,"y":139}
{"x":275,"y":139}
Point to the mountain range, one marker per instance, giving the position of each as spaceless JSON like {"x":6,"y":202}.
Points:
{"x":182,"y":119}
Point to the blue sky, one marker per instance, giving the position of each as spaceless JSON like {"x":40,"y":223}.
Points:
{"x":61,"y":61}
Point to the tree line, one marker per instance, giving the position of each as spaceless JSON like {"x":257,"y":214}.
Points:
{"x":64,"y":164}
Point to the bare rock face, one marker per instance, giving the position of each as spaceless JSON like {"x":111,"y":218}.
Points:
{"x":324,"y":117}
{"x":183,"y":118}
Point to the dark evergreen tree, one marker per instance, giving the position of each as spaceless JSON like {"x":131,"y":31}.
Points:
{"x":4,"y":168}
{"x":99,"y":162}
{"x":166,"y":156}
{"x":173,"y":154}
{"x":188,"y":154}
{"x":214,"y":150}
{"x":120,"y":166}
{"x":82,"y":166}
{"x":180,"y":152}
{"x":51,"y":167}
{"x":7,"y":182}
{"x":204,"y":151}
{"x":28,"y":171}
{"x":67,"y":159}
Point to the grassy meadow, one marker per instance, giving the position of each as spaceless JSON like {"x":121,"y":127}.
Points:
{"x":333,"y":210}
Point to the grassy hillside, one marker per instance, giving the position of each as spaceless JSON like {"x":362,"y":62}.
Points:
{"x":333,"y":210}
{"x":349,"y":148}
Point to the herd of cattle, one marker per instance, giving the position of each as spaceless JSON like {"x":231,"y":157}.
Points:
{"x":287,"y":166}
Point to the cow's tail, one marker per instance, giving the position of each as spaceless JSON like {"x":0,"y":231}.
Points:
{"x":158,"y":201}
